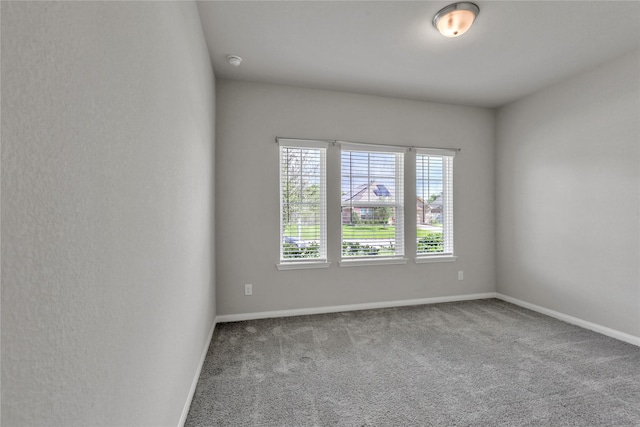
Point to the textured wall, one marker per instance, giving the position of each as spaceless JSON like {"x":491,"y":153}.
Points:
{"x":568,"y":196}
{"x":251,"y":115}
{"x":107,"y":207}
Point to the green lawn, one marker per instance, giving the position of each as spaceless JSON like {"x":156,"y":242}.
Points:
{"x":371,"y":231}
{"x":425,"y":233}
{"x":352,"y":231}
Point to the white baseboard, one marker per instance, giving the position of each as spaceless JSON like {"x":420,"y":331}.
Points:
{"x":194,"y":383}
{"x":350,"y":307}
{"x":622,"y":336}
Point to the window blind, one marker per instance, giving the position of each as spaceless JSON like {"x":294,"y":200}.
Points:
{"x":372,"y":201}
{"x":434,"y":201}
{"x":303,"y":223}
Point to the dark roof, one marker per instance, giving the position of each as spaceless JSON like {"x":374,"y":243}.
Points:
{"x":368,"y":193}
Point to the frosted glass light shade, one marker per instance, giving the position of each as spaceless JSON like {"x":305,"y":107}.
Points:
{"x":454,"y":20}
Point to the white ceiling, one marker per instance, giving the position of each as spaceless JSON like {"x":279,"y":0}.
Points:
{"x":391,"y":48}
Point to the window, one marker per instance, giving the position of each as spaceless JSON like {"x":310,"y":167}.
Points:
{"x":372,"y":201}
{"x":303,"y":224}
{"x":434,"y":202}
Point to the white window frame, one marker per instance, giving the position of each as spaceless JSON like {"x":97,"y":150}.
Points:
{"x":302,"y":263}
{"x":447,"y":206}
{"x":398,"y":204}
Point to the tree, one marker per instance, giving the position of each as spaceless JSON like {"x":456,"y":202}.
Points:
{"x":355,"y":218}
{"x":381,"y":214}
{"x":300,"y":189}
{"x":312,"y":192}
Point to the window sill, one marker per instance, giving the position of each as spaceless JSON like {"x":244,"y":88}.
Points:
{"x":372,"y":261}
{"x":302,"y":265}
{"x":442,"y":258}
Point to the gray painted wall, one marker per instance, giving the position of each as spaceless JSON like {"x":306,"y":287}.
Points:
{"x":107,"y":210}
{"x":251,"y":115}
{"x":568,"y":196}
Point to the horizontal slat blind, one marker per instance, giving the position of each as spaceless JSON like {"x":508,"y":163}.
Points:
{"x":372,"y":199}
{"x":303,"y":224}
{"x":434,"y":202}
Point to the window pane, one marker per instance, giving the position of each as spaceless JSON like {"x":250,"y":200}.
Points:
{"x":369,"y":177}
{"x":372,"y":204}
{"x":434,"y":204}
{"x":368,"y":231}
{"x":302,"y":215}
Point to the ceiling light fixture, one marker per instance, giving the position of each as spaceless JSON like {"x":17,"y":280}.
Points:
{"x":455,"y":19}
{"x":234,"y":60}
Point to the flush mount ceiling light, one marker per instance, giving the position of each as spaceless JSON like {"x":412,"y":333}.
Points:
{"x":234,"y":60}
{"x":455,"y":19}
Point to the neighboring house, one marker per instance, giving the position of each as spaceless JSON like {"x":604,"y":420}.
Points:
{"x":423,"y":211}
{"x":436,"y":211}
{"x":429,"y":213}
{"x":369,"y":193}
{"x":426,"y":212}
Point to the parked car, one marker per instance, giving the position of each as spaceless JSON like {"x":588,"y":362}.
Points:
{"x":295,"y":241}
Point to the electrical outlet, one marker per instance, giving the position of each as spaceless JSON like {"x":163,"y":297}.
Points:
{"x":460,"y":275}
{"x":248,"y":289}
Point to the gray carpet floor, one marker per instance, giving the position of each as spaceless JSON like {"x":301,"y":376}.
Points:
{"x":472,"y":363}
